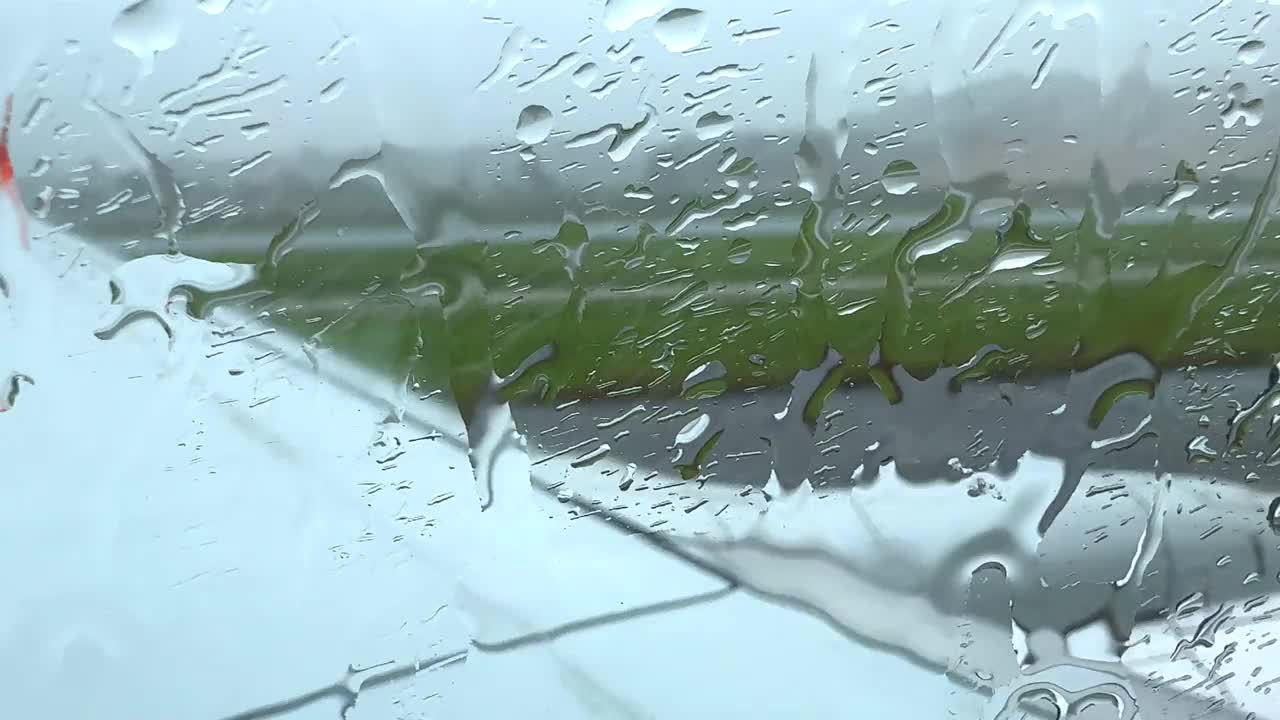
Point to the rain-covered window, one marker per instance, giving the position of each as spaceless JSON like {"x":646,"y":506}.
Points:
{"x":636,"y":359}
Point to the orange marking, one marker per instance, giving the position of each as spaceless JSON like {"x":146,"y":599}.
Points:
{"x":8,"y":183}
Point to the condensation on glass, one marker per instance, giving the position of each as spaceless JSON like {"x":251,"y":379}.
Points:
{"x":632,"y":359}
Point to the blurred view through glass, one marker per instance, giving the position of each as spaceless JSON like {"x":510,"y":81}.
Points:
{"x":632,"y":359}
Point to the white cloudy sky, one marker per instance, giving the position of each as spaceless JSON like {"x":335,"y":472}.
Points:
{"x":409,"y":73}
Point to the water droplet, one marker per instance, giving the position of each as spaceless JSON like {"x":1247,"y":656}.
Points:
{"x":213,"y":7}
{"x":147,"y":27}
{"x":42,"y":203}
{"x":620,"y":15}
{"x":681,"y":29}
{"x":333,"y":90}
{"x":1273,"y":516}
{"x":497,"y":450}
{"x":744,"y":221}
{"x":900,"y":177}
{"x":1183,"y":45}
{"x":693,"y":429}
{"x":534,"y":125}
{"x":713,"y":125}
{"x":142,"y":288}
{"x":586,"y":75}
{"x":704,"y":381}
{"x":1251,"y":52}
{"x":1199,"y":450}
{"x":255,"y":130}
{"x":633,"y":192}
{"x":880,"y":85}
{"x":739,"y":251}
{"x":855,"y":307}
{"x":1239,"y":108}
{"x":10,"y":389}
{"x":1185,"y":184}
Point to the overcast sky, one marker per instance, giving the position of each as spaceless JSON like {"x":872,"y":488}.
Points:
{"x":349,"y":77}
{"x":416,"y":64}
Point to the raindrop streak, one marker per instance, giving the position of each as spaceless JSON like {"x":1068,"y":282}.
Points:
{"x":758,"y":34}
{"x":511,"y":54}
{"x":558,"y":68}
{"x":904,"y":492}
{"x":333,"y":90}
{"x":373,"y":167}
{"x":605,"y":89}
{"x":817,"y":156}
{"x":497,"y":451}
{"x":534,"y":125}
{"x":222,"y":105}
{"x":623,"y":139}
{"x":681,"y":29}
{"x":283,"y":243}
{"x":228,"y":69}
{"x":255,"y":130}
{"x":148,"y":27}
{"x":37,"y":112}
{"x":731,"y":71}
{"x":1241,"y":250}
{"x":164,"y":188}
{"x":1024,"y":11}
{"x":1045,"y":66}
{"x":249,"y":164}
